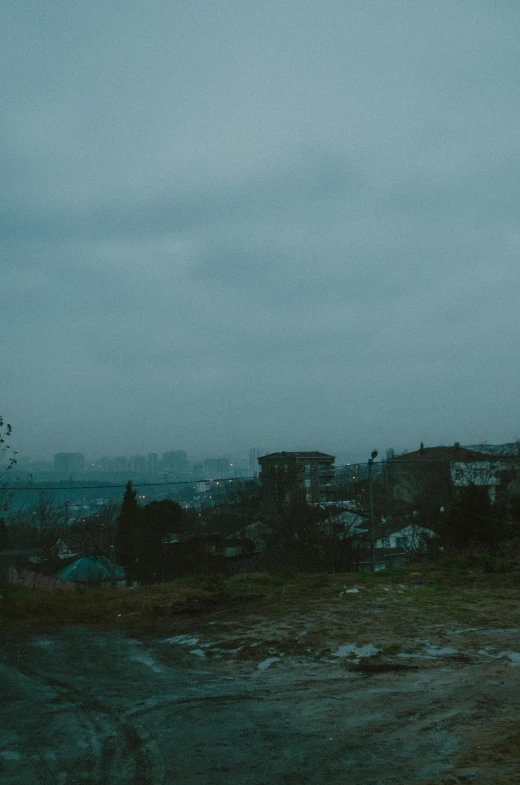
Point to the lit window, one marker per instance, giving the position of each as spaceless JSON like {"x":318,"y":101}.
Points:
{"x":307,"y":467}
{"x":307,"y":483}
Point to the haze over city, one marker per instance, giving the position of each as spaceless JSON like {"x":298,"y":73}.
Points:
{"x":292,"y":226}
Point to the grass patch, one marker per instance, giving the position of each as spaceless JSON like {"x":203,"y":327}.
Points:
{"x":479,"y":562}
{"x":392,"y":605}
{"x":256,"y":579}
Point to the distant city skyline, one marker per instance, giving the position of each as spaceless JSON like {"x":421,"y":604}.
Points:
{"x":154,"y":462}
{"x":348,"y":449}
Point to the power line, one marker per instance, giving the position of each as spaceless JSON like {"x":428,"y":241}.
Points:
{"x":157,"y":484}
{"x":134,"y":484}
{"x":352,"y":465}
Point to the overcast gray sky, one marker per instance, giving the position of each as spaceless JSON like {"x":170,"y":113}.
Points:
{"x":276,"y":224}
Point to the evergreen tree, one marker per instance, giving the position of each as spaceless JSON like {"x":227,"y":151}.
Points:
{"x":472,"y":523}
{"x":127,"y":536}
{"x":3,"y":534}
{"x":156,"y":520}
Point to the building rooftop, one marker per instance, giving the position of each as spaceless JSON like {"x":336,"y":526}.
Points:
{"x":311,"y":454}
{"x":448,"y":454}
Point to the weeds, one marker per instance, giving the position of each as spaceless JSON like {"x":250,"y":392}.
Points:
{"x":480,"y":562}
{"x":397,"y":602}
{"x":255,"y":579}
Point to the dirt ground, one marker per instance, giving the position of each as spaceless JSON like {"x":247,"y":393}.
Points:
{"x":351,"y":689}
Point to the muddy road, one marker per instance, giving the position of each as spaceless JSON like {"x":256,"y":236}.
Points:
{"x":213,"y":707}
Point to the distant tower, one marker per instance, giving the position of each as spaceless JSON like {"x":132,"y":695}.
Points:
{"x":254,"y":454}
{"x":151,"y":464}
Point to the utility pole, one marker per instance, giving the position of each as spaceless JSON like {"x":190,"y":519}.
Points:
{"x":113,"y":549}
{"x":371,"y":509}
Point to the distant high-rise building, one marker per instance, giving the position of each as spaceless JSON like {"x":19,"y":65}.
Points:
{"x":120,"y":464}
{"x":152,"y":464}
{"x":69,"y":462}
{"x":105,"y":464}
{"x":175,"y":461}
{"x":137,"y":464}
{"x":254,"y":454}
{"x":216,"y":466}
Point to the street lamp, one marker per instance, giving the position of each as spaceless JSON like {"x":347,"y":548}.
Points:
{"x":371,"y":508}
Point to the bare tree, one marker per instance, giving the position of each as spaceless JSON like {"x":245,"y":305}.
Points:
{"x":95,"y":534}
{"x":49,"y":522}
{"x":7,"y":464}
{"x":241,"y":502}
{"x":292,"y":528}
{"x":13,"y":505}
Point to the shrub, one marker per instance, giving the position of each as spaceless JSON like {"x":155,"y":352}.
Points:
{"x":479,"y":562}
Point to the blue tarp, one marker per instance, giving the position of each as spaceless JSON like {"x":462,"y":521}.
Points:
{"x":91,"y":570}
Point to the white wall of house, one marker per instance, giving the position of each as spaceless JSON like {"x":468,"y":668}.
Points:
{"x":481,"y":473}
{"x":410,"y":538}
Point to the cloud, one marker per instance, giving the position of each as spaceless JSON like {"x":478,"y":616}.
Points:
{"x":235,"y":225}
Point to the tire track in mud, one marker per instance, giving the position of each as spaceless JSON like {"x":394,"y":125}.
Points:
{"x":110,"y":710}
{"x":196,"y":701}
{"x":111,"y":750}
{"x":122,"y":754}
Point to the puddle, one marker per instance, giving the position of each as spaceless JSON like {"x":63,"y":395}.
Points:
{"x":263,"y":666}
{"x":214,"y":649}
{"x":350,"y":649}
{"x":513,"y":656}
{"x":431,"y":652}
{"x":144,"y":659}
{"x":441,"y":651}
{"x":182,"y":640}
{"x":10,"y":755}
{"x":415,"y":656}
{"x":44,"y":643}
